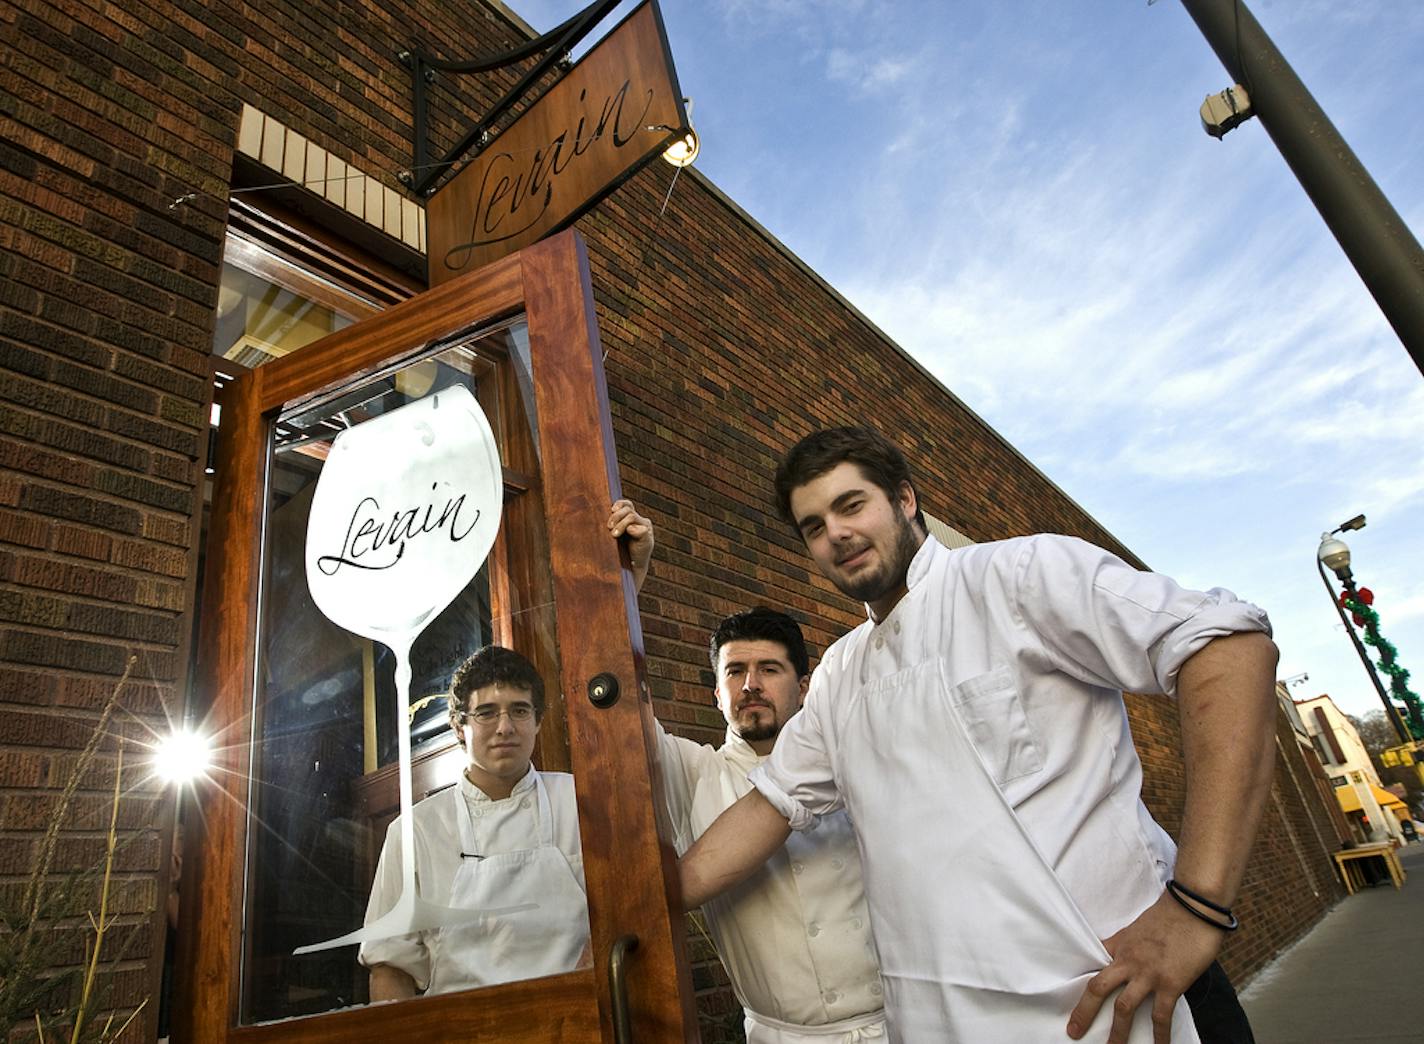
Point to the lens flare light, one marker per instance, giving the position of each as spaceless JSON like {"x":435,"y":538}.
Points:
{"x":182,"y":757}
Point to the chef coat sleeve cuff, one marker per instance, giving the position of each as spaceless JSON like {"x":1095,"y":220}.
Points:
{"x":401,"y":952}
{"x":1219,"y":614}
{"x":795,"y":812}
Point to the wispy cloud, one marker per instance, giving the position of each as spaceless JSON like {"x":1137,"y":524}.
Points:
{"x":877,"y":73}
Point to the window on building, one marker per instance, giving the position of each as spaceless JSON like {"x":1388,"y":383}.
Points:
{"x":285,"y":284}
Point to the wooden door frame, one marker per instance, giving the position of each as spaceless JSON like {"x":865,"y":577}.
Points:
{"x":631,"y":875}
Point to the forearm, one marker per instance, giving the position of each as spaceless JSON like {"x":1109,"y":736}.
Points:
{"x":741,"y":840}
{"x":390,"y":983}
{"x":1226,"y":695}
{"x":640,"y":572}
{"x":1226,"y":699}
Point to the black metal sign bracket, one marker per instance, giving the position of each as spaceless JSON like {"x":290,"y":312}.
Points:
{"x":425,"y":175}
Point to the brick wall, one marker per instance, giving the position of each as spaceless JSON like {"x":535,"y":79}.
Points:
{"x":117,"y":126}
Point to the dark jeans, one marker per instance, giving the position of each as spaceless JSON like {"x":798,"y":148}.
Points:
{"x":1216,"y":1011}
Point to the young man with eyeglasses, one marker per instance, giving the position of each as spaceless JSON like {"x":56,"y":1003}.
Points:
{"x":975,"y":730}
{"x":506,"y":835}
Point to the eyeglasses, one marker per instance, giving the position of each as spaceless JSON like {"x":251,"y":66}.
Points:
{"x":520,"y":712}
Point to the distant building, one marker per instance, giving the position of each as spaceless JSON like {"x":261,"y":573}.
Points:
{"x":1374,"y":814}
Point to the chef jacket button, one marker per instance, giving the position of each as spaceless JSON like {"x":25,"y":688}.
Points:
{"x":814,"y":930}
{"x":855,"y":923}
{"x":832,"y":996}
{"x":524,"y":803}
{"x":897,"y":626}
{"x":879,"y":642}
{"x":837,"y":864}
{"x":796,"y":868}
{"x":875,"y":989}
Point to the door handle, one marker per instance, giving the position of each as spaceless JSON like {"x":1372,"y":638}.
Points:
{"x":618,"y":987}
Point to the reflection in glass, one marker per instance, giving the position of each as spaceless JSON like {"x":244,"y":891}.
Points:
{"x":259,"y":320}
{"x":325,"y":785}
{"x":506,"y":836}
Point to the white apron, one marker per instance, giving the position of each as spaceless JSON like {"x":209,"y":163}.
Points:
{"x":980,"y":941}
{"x":525,"y":945}
{"x":762,"y":1029}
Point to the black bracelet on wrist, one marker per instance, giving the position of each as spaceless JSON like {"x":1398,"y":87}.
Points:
{"x":1182,"y":893}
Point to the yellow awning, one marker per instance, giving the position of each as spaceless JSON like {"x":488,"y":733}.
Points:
{"x":1387,"y":799}
{"x":1350,"y":800}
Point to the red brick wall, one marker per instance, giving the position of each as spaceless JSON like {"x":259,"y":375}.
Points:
{"x":722,"y":351}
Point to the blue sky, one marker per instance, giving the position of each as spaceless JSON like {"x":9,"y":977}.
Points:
{"x":1021,"y":195}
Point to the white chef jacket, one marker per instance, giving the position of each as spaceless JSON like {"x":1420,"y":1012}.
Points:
{"x":795,"y":936}
{"x":980,"y":725}
{"x":507,"y":825}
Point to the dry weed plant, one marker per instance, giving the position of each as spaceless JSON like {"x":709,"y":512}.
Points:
{"x":36,"y":989}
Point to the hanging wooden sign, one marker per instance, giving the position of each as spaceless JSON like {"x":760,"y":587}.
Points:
{"x":612,"y":112}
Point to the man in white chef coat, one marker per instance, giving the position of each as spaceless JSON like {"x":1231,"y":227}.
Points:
{"x":506,"y":835}
{"x":795,"y":936}
{"x":974,"y":729}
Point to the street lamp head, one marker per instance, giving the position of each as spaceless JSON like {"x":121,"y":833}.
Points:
{"x":1335,"y":554}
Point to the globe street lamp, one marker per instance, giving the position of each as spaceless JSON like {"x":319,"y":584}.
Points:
{"x":1334,"y":552}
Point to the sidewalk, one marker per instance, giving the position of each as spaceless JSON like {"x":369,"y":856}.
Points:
{"x":1354,"y":976}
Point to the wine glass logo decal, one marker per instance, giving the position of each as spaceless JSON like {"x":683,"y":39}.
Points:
{"x":404,"y":514}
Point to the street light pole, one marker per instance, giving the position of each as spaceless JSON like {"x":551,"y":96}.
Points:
{"x":1339,"y":556}
{"x":1370,"y":231}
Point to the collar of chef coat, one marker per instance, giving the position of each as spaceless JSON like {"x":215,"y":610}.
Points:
{"x":475,"y":796}
{"x":739,"y":752}
{"x":919,"y":567}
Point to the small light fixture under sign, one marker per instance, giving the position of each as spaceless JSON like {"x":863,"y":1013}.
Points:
{"x":682,"y":152}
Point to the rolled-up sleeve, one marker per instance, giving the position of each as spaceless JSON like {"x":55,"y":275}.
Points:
{"x":1108,"y":624}
{"x":797,"y":778}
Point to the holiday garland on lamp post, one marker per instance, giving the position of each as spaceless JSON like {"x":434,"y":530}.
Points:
{"x":1358,"y":602}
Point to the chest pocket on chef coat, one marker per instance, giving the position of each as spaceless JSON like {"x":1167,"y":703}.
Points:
{"x":994,"y":716}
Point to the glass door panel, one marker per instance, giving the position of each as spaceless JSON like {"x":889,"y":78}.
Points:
{"x":341,"y":601}
{"x":325,"y":854}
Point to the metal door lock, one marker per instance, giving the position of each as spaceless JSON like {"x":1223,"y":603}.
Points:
{"x":603,"y":690}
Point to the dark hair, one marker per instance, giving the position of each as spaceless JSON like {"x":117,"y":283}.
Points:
{"x":763,"y":624}
{"x":879,"y":460}
{"x":496,"y":664}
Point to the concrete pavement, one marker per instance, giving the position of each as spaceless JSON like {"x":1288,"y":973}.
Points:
{"x":1358,"y":975}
